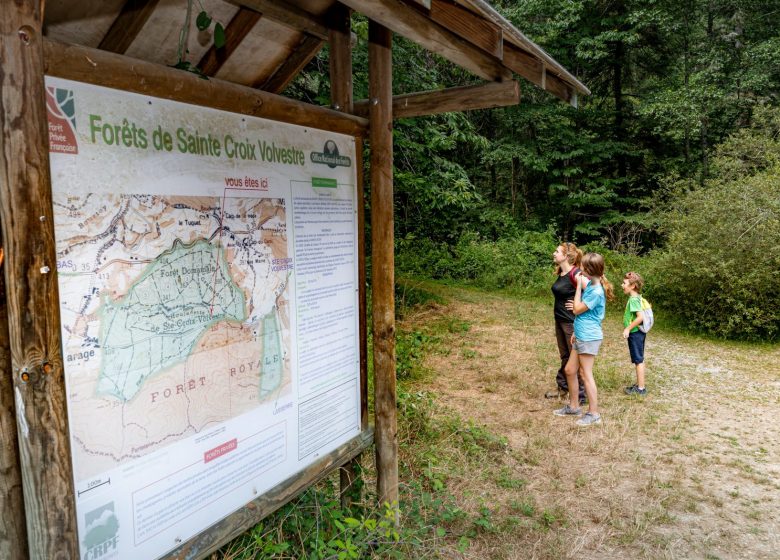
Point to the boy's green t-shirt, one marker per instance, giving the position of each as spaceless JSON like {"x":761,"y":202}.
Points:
{"x":633,"y":305}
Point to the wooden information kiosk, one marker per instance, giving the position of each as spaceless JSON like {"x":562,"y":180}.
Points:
{"x":183,"y":311}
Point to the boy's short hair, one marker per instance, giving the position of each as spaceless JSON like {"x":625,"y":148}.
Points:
{"x":635,"y":280}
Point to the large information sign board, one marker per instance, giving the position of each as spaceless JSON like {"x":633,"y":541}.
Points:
{"x":207,"y":267}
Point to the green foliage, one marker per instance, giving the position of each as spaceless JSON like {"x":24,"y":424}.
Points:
{"x":522,"y":263}
{"x":670,"y":82}
{"x":411,"y":296}
{"x":314,"y":526}
{"x":722,"y":254}
{"x":202,"y":22}
{"x":433,"y":191}
{"x":410,"y":348}
{"x":219,"y":35}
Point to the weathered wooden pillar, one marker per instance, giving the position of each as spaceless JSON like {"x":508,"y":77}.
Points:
{"x":13,"y":535}
{"x":340,"y":59}
{"x":341,"y":99}
{"x":361,"y":225}
{"x":31,"y":286}
{"x":382,"y":262}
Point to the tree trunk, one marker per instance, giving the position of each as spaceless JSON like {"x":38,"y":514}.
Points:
{"x":513,"y":184}
{"x":617,"y":92}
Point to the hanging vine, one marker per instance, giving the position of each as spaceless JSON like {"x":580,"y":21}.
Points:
{"x":202,"y":21}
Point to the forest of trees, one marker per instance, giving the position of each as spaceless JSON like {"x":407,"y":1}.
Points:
{"x":671,"y":163}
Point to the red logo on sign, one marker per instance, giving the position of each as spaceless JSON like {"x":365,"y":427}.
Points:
{"x":61,"y":112}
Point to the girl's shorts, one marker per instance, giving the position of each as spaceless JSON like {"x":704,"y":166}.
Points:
{"x":586,"y":346}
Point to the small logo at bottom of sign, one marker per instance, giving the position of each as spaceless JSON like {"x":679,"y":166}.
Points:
{"x":101,"y":536}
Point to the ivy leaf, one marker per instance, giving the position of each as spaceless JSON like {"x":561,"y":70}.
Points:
{"x":219,"y":36}
{"x":203,"y":21}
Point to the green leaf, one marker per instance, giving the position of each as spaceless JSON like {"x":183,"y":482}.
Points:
{"x":463,"y":543}
{"x":203,"y":21}
{"x":219,"y":36}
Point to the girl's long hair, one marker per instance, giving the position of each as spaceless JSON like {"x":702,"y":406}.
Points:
{"x":573,"y":255}
{"x":593,"y":265}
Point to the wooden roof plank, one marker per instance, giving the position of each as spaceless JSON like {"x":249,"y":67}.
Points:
{"x":127,"y":25}
{"x":479,"y":31}
{"x":464,"y":98}
{"x":523,"y":64}
{"x":102,"y":68}
{"x":235,"y":32}
{"x":418,"y":27}
{"x":516,"y":37}
{"x":293,"y":64}
{"x":289,"y":15}
{"x":533,"y":70}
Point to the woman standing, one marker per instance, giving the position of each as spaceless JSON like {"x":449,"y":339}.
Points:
{"x":567,"y":258}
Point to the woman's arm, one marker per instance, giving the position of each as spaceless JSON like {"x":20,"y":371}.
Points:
{"x":578,"y":308}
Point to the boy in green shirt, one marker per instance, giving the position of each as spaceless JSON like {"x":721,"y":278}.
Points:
{"x":632,"y":318}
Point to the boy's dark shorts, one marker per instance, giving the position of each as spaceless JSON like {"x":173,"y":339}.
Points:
{"x":636,"y":346}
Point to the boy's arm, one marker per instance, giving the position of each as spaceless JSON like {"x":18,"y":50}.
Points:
{"x":633,"y":324}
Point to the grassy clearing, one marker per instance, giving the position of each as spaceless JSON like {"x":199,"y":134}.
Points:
{"x":691,"y":471}
{"x":653,"y":480}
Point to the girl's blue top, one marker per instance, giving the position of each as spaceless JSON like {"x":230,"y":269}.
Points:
{"x":587,"y":326}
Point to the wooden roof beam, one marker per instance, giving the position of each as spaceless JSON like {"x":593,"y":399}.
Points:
{"x":289,"y":15}
{"x":127,"y":25}
{"x":93,"y":66}
{"x":475,"y":29}
{"x":235,"y":32}
{"x":292,"y":65}
{"x":465,"y":98}
{"x":407,"y":21}
{"x":533,"y":70}
{"x":516,"y":38}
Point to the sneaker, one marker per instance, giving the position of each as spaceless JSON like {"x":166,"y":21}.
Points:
{"x":635,"y":390}
{"x":558,"y":393}
{"x":567,"y":411}
{"x":588,"y":419}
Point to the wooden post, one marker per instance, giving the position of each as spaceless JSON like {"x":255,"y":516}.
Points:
{"x":340,"y":59}
{"x":381,"y":135}
{"x":31,"y":286}
{"x":13,"y":536}
{"x":361,"y":203}
{"x":341,"y":100}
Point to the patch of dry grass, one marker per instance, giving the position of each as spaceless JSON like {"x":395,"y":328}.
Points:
{"x":655,"y":480}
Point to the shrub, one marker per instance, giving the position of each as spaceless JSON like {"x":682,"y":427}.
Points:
{"x":719,"y":268}
{"x":521,"y":263}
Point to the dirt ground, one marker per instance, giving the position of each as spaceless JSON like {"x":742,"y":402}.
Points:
{"x":690,"y":471}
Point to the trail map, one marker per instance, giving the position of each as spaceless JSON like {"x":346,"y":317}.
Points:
{"x":171,"y":335}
